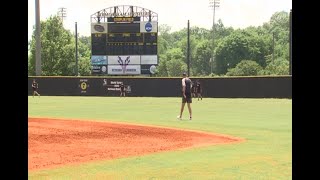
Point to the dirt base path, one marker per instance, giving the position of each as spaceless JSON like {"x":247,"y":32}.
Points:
{"x":53,"y":143}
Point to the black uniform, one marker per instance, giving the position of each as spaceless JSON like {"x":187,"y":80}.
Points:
{"x":198,"y":87}
{"x":34,"y":86}
{"x":193,"y":89}
{"x":188,"y":98}
{"x":121,"y":87}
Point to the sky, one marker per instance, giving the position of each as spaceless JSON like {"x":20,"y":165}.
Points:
{"x":174,"y":13}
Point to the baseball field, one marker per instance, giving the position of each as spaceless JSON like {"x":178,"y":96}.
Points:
{"x":140,"y":138}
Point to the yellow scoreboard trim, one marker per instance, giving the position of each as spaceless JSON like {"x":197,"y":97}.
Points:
{"x":123,"y":19}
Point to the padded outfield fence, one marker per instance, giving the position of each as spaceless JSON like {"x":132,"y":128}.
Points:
{"x":222,"y":87}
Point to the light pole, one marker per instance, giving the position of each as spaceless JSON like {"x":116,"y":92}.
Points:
{"x":213,"y":4}
{"x":62,"y":13}
{"x":76,"y":36}
{"x":38,"y":39}
{"x":188,"y":49}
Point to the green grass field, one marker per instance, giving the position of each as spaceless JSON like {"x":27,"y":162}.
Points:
{"x":266,"y":124}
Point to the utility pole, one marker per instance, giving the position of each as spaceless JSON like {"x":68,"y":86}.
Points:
{"x":188,"y":50}
{"x":76,"y":49}
{"x":62,"y":13}
{"x":38,"y":39}
{"x":213,"y":4}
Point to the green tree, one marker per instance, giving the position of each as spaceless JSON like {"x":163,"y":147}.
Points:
{"x":278,"y":22}
{"x":200,"y":33}
{"x":175,"y":62}
{"x":84,"y":66}
{"x":278,"y":26}
{"x":239,"y":45}
{"x":162,"y":70}
{"x":277,"y":67}
{"x":175,"y":67}
{"x":86,"y":40}
{"x":220,"y":30}
{"x":200,"y":64}
{"x":30,"y":68}
{"x":165,"y":39}
{"x":245,"y":68}
{"x":84,"y":55}
{"x":57,"y":49}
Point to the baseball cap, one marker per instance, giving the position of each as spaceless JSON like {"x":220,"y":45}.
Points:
{"x":184,"y":74}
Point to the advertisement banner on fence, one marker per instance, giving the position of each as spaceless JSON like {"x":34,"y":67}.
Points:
{"x":114,"y":86}
{"x":124,"y":69}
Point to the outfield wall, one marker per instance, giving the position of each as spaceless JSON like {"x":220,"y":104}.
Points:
{"x":226,"y":87}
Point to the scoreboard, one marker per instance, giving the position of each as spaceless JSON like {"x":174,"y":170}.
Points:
{"x":124,"y":45}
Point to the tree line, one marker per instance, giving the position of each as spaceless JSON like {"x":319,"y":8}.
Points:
{"x":222,"y":51}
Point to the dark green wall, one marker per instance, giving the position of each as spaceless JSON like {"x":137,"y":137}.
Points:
{"x":227,"y":87}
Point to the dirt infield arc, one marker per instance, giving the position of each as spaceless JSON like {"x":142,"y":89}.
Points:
{"x":57,"y":142}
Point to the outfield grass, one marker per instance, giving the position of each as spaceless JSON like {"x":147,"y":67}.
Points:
{"x":266,"y":124}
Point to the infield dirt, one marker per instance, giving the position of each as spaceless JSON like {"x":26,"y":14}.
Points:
{"x":58,"y":142}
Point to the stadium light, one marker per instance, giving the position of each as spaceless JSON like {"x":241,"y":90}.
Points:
{"x":213,"y":4}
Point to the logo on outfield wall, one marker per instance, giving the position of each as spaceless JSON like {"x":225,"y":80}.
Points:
{"x":105,"y":82}
{"x":83,"y":84}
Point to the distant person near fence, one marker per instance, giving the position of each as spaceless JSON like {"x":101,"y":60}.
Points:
{"x":199,"y":89}
{"x":35,"y":87}
{"x":122,"y":90}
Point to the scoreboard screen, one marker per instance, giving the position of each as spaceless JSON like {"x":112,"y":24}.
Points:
{"x":131,"y":44}
{"x":123,"y":27}
{"x":124,"y":44}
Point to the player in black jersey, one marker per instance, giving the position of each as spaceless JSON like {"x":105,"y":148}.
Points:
{"x":35,"y":88}
{"x":199,"y":89}
{"x":186,"y":95}
{"x":122,"y":90}
{"x":193,"y":90}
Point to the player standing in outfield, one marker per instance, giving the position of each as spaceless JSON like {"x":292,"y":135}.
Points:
{"x":35,"y":88}
{"x":122,"y":90}
{"x":186,"y":95}
{"x":193,"y":89}
{"x":199,"y":90}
